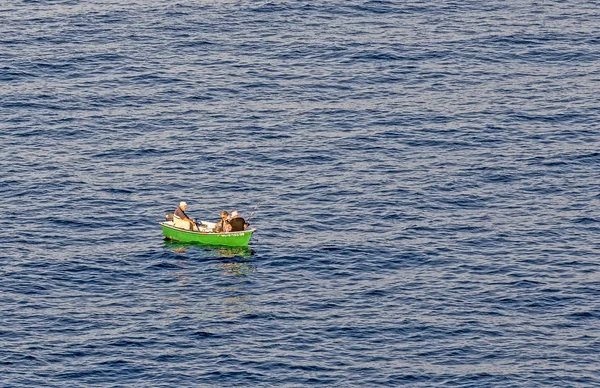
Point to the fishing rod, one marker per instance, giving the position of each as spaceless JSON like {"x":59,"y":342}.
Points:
{"x":254,"y":211}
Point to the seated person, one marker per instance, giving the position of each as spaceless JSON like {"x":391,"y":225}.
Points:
{"x":222,"y":225}
{"x":237,"y":223}
{"x":181,"y":220}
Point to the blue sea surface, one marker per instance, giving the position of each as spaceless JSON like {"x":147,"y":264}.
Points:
{"x":426,"y":175}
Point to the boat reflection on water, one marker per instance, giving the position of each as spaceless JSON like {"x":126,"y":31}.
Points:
{"x":237,"y":268}
{"x":230,"y":252}
{"x":212,"y":251}
{"x":230,"y":298}
{"x":234,"y":265}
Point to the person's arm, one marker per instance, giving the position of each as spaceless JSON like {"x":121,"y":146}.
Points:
{"x":218,"y":227}
{"x":185,"y":216}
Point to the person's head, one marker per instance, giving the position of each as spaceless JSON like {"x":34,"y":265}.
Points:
{"x":224,"y":214}
{"x":234,"y":214}
{"x":182,"y":205}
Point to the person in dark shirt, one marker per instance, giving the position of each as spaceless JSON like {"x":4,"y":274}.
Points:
{"x":237,"y":223}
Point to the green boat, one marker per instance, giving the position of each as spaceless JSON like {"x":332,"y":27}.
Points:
{"x":205,"y":236}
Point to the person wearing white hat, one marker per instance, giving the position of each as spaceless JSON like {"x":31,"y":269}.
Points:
{"x":181,"y":220}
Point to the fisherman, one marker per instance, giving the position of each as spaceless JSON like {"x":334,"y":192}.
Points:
{"x":237,"y":223}
{"x":223,"y":225}
{"x":181,"y":220}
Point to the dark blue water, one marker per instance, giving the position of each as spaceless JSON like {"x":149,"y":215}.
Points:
{"x":427,"y":174}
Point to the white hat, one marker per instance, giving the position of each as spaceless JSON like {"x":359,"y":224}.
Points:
{"x":182,"y":204}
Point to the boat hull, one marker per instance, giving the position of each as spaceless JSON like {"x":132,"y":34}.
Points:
{"x":230,"y":239}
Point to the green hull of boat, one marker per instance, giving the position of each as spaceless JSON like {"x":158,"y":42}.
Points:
{"x":231,"y":239}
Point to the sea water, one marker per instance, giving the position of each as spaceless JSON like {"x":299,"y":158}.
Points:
{"x":426,"y":173}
